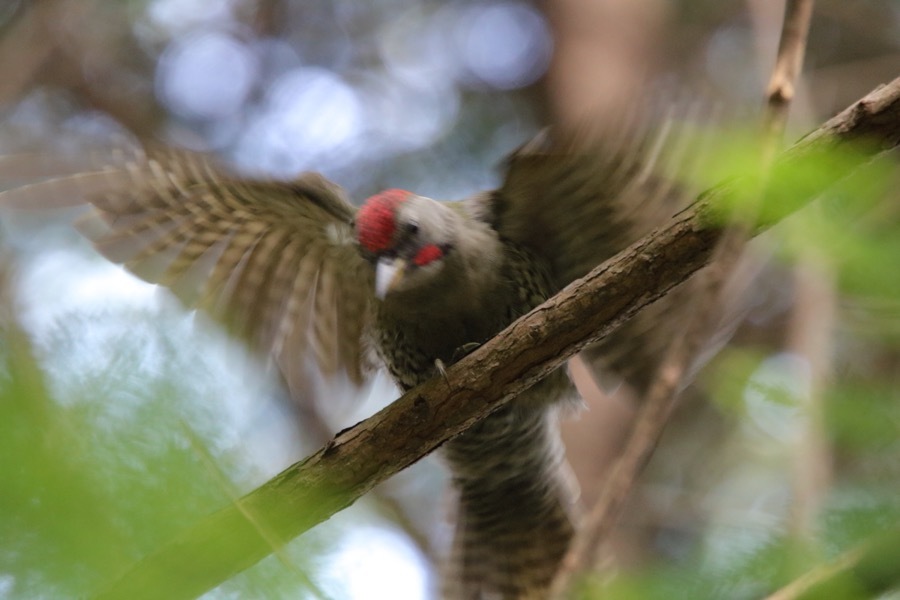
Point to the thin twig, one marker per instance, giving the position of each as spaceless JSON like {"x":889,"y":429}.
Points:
{"x":646,"y":431}
{"x":701,"y":324}
{"x":813,"y":310}
{"x":783,"y":82}
{"x":865,"y":571}
{"x":811,"y":327}
{"x":801,"y":587}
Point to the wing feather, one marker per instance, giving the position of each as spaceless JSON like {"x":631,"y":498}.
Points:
{"x":577,"y":201}
{"x":294,"y":326}
{"x":275,"y":261}
{"x":275,"y":300}
{"x":580,"y":200}
{"x":325,"y":308}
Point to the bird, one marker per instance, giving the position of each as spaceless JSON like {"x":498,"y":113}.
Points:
{"x":412,"y":284}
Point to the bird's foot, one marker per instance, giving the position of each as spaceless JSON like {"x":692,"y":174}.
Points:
{"x":464,"y":350}
{"x":457,"y":354}
{"x":441,"y":369}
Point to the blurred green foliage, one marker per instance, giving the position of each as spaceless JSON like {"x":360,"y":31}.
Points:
{"x":91,"y":483}
{"x":771,"y":396}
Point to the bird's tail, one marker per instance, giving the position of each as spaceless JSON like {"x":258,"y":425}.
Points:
{"x":515,"y":509}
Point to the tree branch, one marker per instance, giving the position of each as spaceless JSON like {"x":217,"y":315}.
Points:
{"x":661,"y":398}
{"x":25,"y":49}
{"x":358,"y":458}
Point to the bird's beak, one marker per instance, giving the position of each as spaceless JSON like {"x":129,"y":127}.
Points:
{"x":388,"y":274}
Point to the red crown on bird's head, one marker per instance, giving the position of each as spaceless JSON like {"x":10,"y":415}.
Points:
{"x":376,"y":220}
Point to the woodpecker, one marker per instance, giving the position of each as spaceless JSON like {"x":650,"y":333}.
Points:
{"x":300,"y":273}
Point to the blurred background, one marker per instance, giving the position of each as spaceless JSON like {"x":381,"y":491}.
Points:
{"x":123,"y":419}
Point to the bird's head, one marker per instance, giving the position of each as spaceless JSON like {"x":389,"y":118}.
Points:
{"x":407,"y":237}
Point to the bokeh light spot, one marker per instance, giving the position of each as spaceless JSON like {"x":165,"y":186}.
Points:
{"x":206,"y":76}
{"x":506,"y":45}
{"x":311,"y":117}
{"x":373,"y":562}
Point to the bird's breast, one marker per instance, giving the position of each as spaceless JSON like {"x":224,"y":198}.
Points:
{"x":411,"y":346}
{"x":412,"y":341}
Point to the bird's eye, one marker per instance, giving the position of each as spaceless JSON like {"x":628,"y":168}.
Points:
{"x":412,"y":228}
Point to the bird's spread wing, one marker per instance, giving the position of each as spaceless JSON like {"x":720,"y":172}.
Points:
{"x":275,"y":261}
{"x":578,"y":200}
